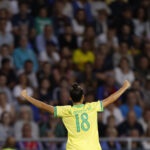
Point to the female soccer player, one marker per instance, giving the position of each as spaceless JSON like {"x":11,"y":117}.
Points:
{"x":79,"y":119}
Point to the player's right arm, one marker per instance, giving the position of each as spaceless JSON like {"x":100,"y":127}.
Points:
{"x":112,"y":98}
{"x":37,"y":103}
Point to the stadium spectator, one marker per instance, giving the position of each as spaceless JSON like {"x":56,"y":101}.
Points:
{"x":146,"y":144}
{"x":27,"y":133}
{"x":47,"y":36}
{"x":87,"y":77}
{"x":45,"y":90}
{"x":64,"y":84}
{"x":50,"y":54}
{"x":134,"y":133}
{"x":146,"y":91}
{"x":79,"y":22}
{"x":68,"y":38}
{"x":123,"y":72}
{"x":28,"y":70}
{"x":25,"y":116}
{"x":5,"y":14}
{"x":45,"y":72}
{"x":123,"y":52}
{"x":113,"y":110}
{"x":59,"y":19}
{"x":42,"y":20}
{"x":5,"y":89}
{"x":50,"y":145}
{"x":5,"y":53}
{"x":126,"y":34}
{"x":83,"y":55}
{"x":89,"y":35}
{"x":109,"y":38}
{"x":5,"y":106}
{"x":50,"y":125}
{"x":23,"y":83}
{"x":97,"y":5}
{"x":111,"y":132}
{"x":140,"y":23}
{"x":23,"y":17}
{"x":5,"y":36}
{"x":23,"y":53}
{"x":67,"y":8}
{"x":81,"y":4}
{"x":111,"y":122}
{"x":101,"y":22}
{"x":142,"y":68}
{"x":108,"y":88}
{"x":145,"y":120}
{"x":10,"y":144}
{"x":8,"y":71}
{"x":6,"y":128}
{"x":132,"y":104}
{"x":129,"y":124}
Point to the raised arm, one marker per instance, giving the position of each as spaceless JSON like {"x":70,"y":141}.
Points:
{"x":37,"y":103}
{"x":112,"y":98}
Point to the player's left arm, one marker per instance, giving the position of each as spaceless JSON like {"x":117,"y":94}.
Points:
{"x":112,"y":98}
{"x":37,"y":103}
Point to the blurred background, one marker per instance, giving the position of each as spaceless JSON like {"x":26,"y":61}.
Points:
{"x":46,"y":45}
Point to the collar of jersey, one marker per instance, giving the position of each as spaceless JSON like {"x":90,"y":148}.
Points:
{"x":78,"y":106}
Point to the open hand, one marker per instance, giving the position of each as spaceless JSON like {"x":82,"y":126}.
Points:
{"x":24,"y":93}
{"x":126,"y":84}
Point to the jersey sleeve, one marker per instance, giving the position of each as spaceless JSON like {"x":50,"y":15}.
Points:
{"x":98,"y":106}
{"x":61,"y":111}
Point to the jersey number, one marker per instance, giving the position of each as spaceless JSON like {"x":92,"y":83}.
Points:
{"x":85,"y":125}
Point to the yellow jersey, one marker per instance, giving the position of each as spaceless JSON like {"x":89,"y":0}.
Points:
{"x":81,"y":123}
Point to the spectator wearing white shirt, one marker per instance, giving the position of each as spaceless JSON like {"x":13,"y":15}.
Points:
{"x":109,"y":38}
{"x":25,"y":115}
{"x":140,"y":23}
{"x":79,"y":22}
{"x":112,"y":110}
{"x":50,"y":54}
{"x":97,"y":5}
{"x":5,"y":106}
{"x":123,"y":72}
{"x":5,"y":37}
{"x":22,"y":84}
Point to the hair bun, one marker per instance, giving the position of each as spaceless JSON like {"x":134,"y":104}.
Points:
{"x":75,"y":86}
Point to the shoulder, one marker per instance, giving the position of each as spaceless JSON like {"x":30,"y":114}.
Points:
{"x":16,"y":50}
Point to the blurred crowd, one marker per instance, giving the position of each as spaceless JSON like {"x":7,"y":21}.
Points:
{"x":46,"y":45}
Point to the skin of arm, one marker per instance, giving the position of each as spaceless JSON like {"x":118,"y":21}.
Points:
{"x":50,"y":109}
{"x":112,"y":98}
{"x":37,"y":103}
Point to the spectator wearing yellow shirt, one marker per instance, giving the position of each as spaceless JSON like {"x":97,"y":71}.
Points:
{"x":83,"y":55}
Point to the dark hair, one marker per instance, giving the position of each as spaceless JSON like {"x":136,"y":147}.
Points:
{"x":28,"y":61}
{"x":76,"y":93}
{"x":5,"y":60}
